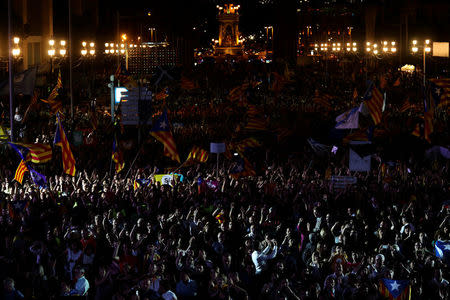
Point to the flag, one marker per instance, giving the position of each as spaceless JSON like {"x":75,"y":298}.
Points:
{"x":243,"y":169}
{"x":67,"y":156}
{"x":38,"y":178}
{"x":238,"y":92}
{"x":20,"y":172}
{"x":374,"y":101}
{"x":283,"y":134}
{"x":359,"y":135}
{"x":23,"y":83}
{"x":55,"y":105}
{"x":141,"y":182}
{"x":323,"y":100}
{"x":117,"y":156}
{"x":162,"y":95}
{"x":440,"y":91}
{"x":36,"y":153}
{"x":395,"y":289}
{"x":246,"y":143}
{"x":187,"y":84}
{"x":122,"y":75}
{"x":33,"y":102}
{"x":405,"y":106}
{"x":318,"y":147}
{"x":428,"y":125}
{"x":442,"y":250}
{"x":161,"y":132}
{"x":197,"y":155}
{"x":348,"y":120}
{"x":278,"y":82}
{"x":256,"y":123}
{"x":58,"y":86}
{"x":355,"y":94}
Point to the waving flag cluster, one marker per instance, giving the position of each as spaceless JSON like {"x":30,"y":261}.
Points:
{"x":161,"y":132}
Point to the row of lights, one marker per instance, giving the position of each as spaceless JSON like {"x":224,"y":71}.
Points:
{"x":336,"y":47}
{"x":85,"y":50}
{"x":52,"y":51}
{"x":386,"y":47}
{"x":426,"y":46}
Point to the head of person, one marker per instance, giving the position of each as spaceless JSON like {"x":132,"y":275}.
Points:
{"x":8,"y":285}
{"x":78,"y":273}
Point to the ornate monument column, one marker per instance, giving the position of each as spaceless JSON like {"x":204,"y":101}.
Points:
{"x":228,"y":42}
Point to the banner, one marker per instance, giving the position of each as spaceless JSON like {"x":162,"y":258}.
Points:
{"x":166,"y":179}
{"x":341,"y":182}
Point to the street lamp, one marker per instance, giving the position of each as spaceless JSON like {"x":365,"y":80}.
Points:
{"x":16,"y":49}
{"x":425,"y":49}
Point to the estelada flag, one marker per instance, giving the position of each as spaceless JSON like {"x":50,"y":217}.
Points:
{"x":395,"y":289}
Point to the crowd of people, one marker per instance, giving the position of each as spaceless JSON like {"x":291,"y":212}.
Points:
{"x":285,"y":233}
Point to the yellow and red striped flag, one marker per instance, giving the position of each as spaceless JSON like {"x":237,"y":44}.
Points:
{"x":198,"y":154}
{"x":67,"y":156}
{"x":187,"y":84}
{"x":161,"y":132}
{"x":20,"y":172}
{"x":323,"y":100}
{"x":374,"y":101}
{"x":238,"y":92}
{"x":39,"y":153}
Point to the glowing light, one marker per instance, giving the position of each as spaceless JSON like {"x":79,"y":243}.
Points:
{"x":16,"y":52}
{"x":83,"y":52}
{"x":62,"y":52}
{"x":16,"y":40}
{"x":51,"y":42}
{"x":62,"y":43}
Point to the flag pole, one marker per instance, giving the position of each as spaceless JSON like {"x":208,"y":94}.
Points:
{"x":10,"y":74}
{"x":134,"y":160}
{"x":70,"y":60}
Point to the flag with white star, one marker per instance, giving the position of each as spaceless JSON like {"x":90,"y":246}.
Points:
{"x":395,"y":289}
{"x":442,"y":250}
{"x":440,"y":91}
{"x":161,"y":132}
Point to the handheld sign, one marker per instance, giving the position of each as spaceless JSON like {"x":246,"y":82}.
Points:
{"x":217,"y":148}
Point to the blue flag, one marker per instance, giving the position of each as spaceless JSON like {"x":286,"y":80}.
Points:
{"x":442,"y":250}
{"x":38,"y":178}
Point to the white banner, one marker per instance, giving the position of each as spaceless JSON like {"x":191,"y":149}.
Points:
{"x":341,"y":182}
{"x":440,"y":49}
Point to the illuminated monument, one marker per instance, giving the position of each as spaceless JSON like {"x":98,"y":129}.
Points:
{"x":229,"y":42}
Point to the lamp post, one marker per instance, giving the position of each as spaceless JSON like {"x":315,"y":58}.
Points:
{"x":54,"y":52}
{"x":425,"y":49}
